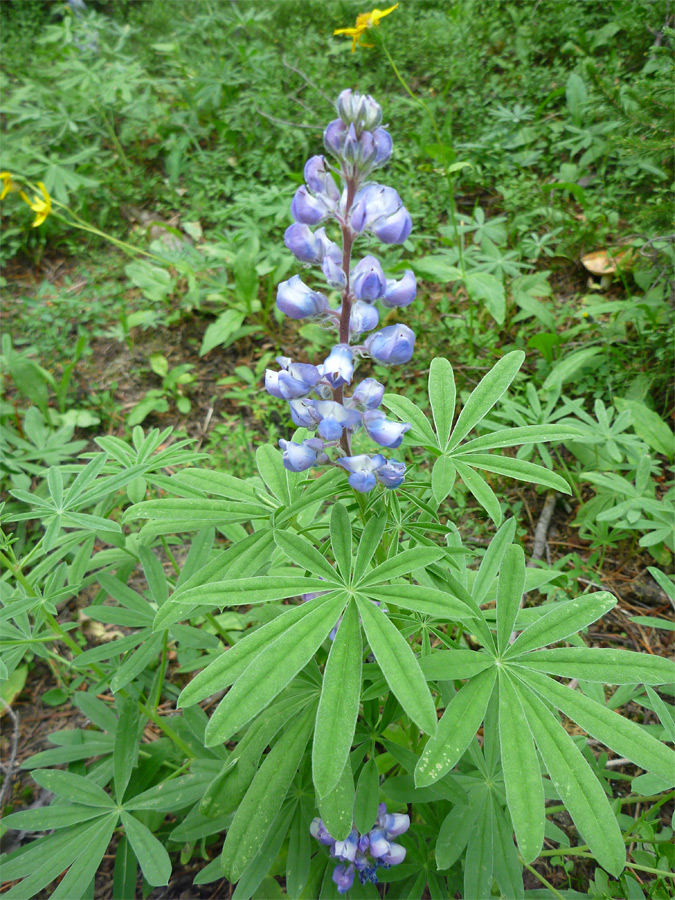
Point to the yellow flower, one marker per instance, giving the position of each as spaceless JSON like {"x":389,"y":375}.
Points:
{"x":364,"y":21}
{"x":41,"y":206}
{"x":7,"y":184}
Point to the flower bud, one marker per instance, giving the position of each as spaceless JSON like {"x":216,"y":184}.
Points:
{"x":362,"y":317}
{"x":393,"y":229}
{"x":334,"y":137}
{"x":298,"y":301}
{"x":360,"y":109}
{"x":368,"y":394}
{"x":402,"y":292}
{"x":319,"y":180}
{"x":383,"y":146}
{"x":392,"y":345}
{"x":382,"y":430}
{"x":338,"y":367}
{"x":368,"y":281}
{"x":333,"y":273}
{"x":303,"y":243}
{"x":392,"y":475}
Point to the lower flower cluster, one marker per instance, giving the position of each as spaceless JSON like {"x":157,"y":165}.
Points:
{"x":362,"y":854}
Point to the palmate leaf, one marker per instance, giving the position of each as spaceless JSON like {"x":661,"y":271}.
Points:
{"x":442,"y":396}
{"x":451,"y":665}
{"x":150,"y":853}
{"x":401,"y":564}
{"x":511,"y":467}
{"x":341,"y":540}
{"x":273,"y":668}
{"x":339,"y":704}
{"x":186,"y":514}
{"x":605,"y":665}
{"x":299,"y":550}
{"x":615,"y":731}
{"x":575,"y":783}
{"x":481,"y":490}
{"x":561,"y":622}
{"x":492,"y":560}
{"x":263,"y":799}
{"x":370,"y":540}
{"x":421,"y":599}
{"x":399,"y":665}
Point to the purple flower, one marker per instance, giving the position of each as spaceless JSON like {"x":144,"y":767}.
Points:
{"x":363,"y":317}
{"x":302,"y":243}
{"x":295,"y":379}
{"x":371,"y":203}
{"x":368,"y":281}
{"x":383,"y":146}
{"x":343,"y":876}
{"x":310,"y":210}
{"x":298,"y":457}
{"x":333,"y":418}
{"x":303,"y":413}
{"x":317,"y":829}
{"x":334,"y":137}
{"x":392,"y":475}
{"x":392,"y":345}
{"x":347,"y":849}
{"x":362,"y":469}
{"x":393,"y":229}
{"x":359,"y":109}
{"x":320,"y":181}
{"x":338,"y":367}
{"x":382,"y":430}
{"x":368,"y":394}
{"x":394,"y":824}
{"x":333,"y":273}
{"x":298,"y":301}
{"x":400,"y":293}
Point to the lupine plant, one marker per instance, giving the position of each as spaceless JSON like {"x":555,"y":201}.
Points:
{"x":385,"y":713}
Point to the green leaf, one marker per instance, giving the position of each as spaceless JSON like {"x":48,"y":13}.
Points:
{"x":94,"y":844}
{"x":219,"y":483}
{"x":192,"y":514}
{"x":245,"y":591}
{"x":265,"y":796}
{"x":46,"y":818}
{"x":455,"y":829}
{"x":442,"y":394}
{"x":222,"y":331}
{"x":622,"y":735}
{"x":527,"y":434}
{"x":509,"y":593}
{"x":225,"y":669}
{"x":272,"y":670}
{"x":299,"y":853}
{"x":125,"y":752}
{"x":399,"y":665}
{"x":522,"y":778}
{"x":650,"y":426}
{"x":136,"y":662}
{"x":603,"y":664}
{"x":280,"y":482}
{"x":339,"y":704}
{"x":171,"y":795}
{"x":402,"y":564}
{"x":421,"y":431}
{"x":255,"y":883}
{"x":456,"y":729}
{"x":421,"y":599}
{"x":486,"y":393}
{"x":568,"y":367}
{"x":506,"y":868}
{"x":367,"y":797}
{"x":576,"y":94}
{"x":368,"y":544}
{"x":481,"y":491}
{"x":299,"y":550}
{"x":125,"y":871}
{"x":479,"y":858}
{"x":341,"y":540}
{"x":519,"y":469}
{"x":451,"y":665}
{"x":576,"y":784}
{"x":443,"y":477}
{"x":337,"y":807}
{"x":150,"y":853}
{"x":661,"y":710}
{"x":487,"y":287}
{"x":564,"y":620}
{"x":73,"y":787}
{"x":489,"y":566}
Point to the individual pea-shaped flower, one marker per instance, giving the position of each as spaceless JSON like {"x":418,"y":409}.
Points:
{"x":371,"y":203}
{"x":338,"y":367}
{"x":402,"y":292}
{"x":382,"y":430}
{"x":320,"y":182}
{"x":367,"y":395}
{"x":303,"y":243}
{"x":333,"y":273}
{"x":347,"y":849}
{"x":294,"y":380}
{"x":317,"y":829}
{"x":298,"y":301}
{"x":383,"y":146}
{"x":310,"y":210}
{"x":368,"y":281}
{"x":392,"y":345}
{"x":303,"y":413}
{"x":343,"y":876}
{"x":392,"y":475}
{"x":298,"y":457}
{"x":362,"y":469}
{"x":362,"y":317}
{"x":333,"y":418}
{"x":385,"y":851}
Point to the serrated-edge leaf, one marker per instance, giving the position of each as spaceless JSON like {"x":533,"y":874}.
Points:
{"x":486,"y":393}
{"x":561,"y":622}
{"x":522,"y":778}
{"x":339,"y":704}
{"x":456,"y":729}
{"x":576,"y":784}
{"x":399,"y":666}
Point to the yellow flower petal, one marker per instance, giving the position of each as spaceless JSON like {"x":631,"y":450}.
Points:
{"x":364,"y":21}
{"x":41,"y":206}
{"x":7,"y":184}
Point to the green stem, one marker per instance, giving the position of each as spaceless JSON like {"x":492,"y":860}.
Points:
{"x":541,"y":878}
{"x":451,"y":184}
